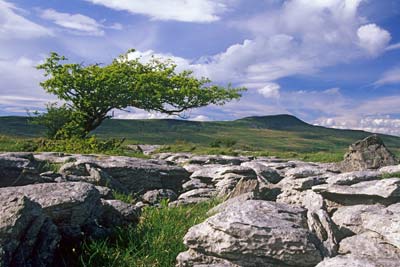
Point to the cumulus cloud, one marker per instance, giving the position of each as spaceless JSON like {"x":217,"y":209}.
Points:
{"x":15,"y":26}
{"x":297,"y":37}
{"x":389,"y":77}
{"x":373,"y":38}
{"x":270,"y":90}
{"x":20,"y":92}
{"x":78,"y":23}
{"x":384,"y":124}
{"x":180,"y":10}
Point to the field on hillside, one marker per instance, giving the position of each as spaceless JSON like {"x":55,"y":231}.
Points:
{"x":269,"y":135}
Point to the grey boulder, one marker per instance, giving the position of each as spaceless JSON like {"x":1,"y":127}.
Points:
{"x":369,"y":153}
{"x":256,"y":233}
{"x":156,"y":196}
{"x":27,"y":235}
{"x":385,"y":191}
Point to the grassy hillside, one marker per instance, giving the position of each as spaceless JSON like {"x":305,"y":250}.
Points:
{"x":280,"y":133}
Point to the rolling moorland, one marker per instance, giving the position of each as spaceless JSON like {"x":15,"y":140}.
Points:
{"x":281,"y":135}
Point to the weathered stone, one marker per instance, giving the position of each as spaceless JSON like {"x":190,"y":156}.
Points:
{"x":372,"y":246}
{"x":117,"y":213}
{"x":318,"y":219}
{"x":188,"y":201}
{"x":390,"y":169}
{"x":156,"y":196}
{"x":227,"y":182}
{"x":385,"y":191}
{"x":198,"y":193}
{"x":244,"y":186}
{"x":215,"y":173}
{"x":349,"y":261}
{"x":357,"y":219}
{"x":265,"y":173}
{"x":17,"y":171}
{"x":195,"y":183}
{"x":305,"y":171}
{"x":105,"y":192}
{"x":223,"y":160}
{"x":326,"y":231}
{"x":350,"y":178}
{"x":71,"y":206}
{"x":349,"y":218}
{"x":27,"y":236}
{"x":88,"y":173}
{"x":231,"y":202}
{"x":291,"y":197}
{"x":365,"y":249}
{"x":369,"y":153}
{"x":301,"y":184}
{"x":256,"y":233}
{"x":191,"y":258}
{"x":135,"y":175}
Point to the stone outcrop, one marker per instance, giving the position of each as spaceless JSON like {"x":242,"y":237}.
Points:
{"x":156,"y":196}
{"x":27,"y":236}
{"x":134,"y":175}
{"x":255,"y":233}
{"x":378,"y":191}
{"x":274,"y":212}
{"x":37,"y":220}
{"x":369,"y":153}
{"x":18,"y":169}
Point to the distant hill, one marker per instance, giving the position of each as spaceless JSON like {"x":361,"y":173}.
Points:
{"x":272,"y":133}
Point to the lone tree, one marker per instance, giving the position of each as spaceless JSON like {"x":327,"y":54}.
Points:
{"x":90,"y":92}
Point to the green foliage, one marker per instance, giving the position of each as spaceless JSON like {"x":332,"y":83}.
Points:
{"x":12,"y":144}
{"x":123,"y":197}
{"x":53,"y":120}
{"x":223,"y":142}
{"x":44,"y":166}
{"x":92,"y":91}
{"x":90,"y":145}
{"x":391,"y":175}
{"x":155,"y":241}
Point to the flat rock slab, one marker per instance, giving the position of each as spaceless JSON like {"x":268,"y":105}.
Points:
{"x":384,"y":190}
{"x":65,"y":203}
{"x":136,"y":175}
{"x":350,"y":261}
{"x":376,"y":218}
{"x":350,"y":178}
{"x":256,"y":233}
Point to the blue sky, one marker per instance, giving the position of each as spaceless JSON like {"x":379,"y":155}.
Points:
{"x":329,"y":62}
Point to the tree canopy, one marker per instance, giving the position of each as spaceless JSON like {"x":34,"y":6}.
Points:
{"x":90,"y":92}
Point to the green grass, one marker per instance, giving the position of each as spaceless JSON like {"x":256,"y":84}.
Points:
{"x":282,"y":135}
{"x":45,"y":166}
{"x":130,"y":199}
{"x":155,"y":241}
{"x":391,"y":175}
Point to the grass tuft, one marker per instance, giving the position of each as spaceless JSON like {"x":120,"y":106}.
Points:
{"x":391,"y":175}
{"x":155,"y":241}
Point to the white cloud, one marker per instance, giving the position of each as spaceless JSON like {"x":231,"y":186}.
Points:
{"x":21,"y":91}
{"x":270,"y":90}
{"x":15,"y":26}
{"x":373,"y":38}
{"x":200,"y":118}
{"x":393,"y":47}
{"x":78,"y":23}
{"x":179,"y":10}
{"x":390,"y":77}
{"x":298,"y":37}
{"x":383,"y":124}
